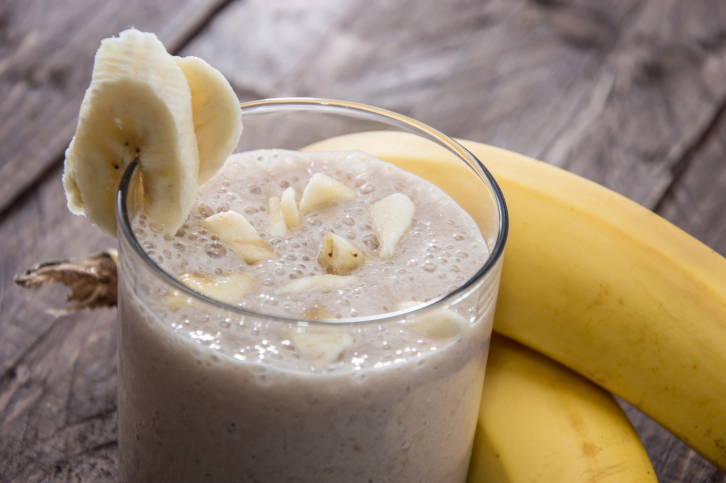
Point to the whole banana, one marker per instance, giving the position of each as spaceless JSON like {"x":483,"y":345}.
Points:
{"x":540,"y":421}
{"x":598,"y":283}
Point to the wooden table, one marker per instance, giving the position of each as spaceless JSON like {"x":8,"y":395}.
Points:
{"x":628,"y":93}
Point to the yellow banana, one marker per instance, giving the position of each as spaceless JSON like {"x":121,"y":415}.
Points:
{"x":539,"y":421}
{"x":598,"y":283}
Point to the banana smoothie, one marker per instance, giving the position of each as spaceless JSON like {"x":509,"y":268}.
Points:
{"x":283,"y":316}
{"x":260,"y":389}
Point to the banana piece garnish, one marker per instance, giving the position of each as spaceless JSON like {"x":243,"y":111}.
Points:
{"x":323,"y":189}
{"x":338,"y":256}
{"x":215,"y":112}
{"x":228,"y":289}
{"x":442,"y":324}
{"x":138,"y":103}
{"x":275,"y":221}
{"x":179,"y":116}
{"x":289,"y":209}
{"x":325,"y":347}
{"x":392,"y":217}
{"x":234,"y":230}
{"x":318,"y":282}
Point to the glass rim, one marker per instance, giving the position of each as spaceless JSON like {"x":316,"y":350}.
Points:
{"x":279,"y":104}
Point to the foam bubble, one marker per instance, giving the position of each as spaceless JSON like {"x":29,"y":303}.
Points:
{"x":215,"y":250}
{"x":205,"y":210}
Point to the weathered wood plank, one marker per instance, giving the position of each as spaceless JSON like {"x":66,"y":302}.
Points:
{"x":616,"y":93}
{"x":58,"y":418}
{"x":58,"y":382}
{"x":36,"y":229}
{"x":668,"y":74}
{"x":258,"y":43}
{"x":46,"y":56}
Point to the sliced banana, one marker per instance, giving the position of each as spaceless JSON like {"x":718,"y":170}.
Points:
{"x":338,"y":256}
{"x":138,"y":103}
{"x":325,"y":347}
{"x":318,"y":282}
{"x":442,"y":324}
{"x":323,"y":189}
{"x":228,"y":289}
{"x":215,"y":112}
{"x":275,"y":221}
{"x":392,"y":217}
{"x":234,"y":230}
{"x":289,"y":208}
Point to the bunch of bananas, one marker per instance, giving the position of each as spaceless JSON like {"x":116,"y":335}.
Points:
{"x":604,"y":287}
{"x":616,"y":293}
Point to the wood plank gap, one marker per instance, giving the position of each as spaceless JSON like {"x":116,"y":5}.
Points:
{"x":199,"y":26}
{"x":681,"y":166}
{"x":109,"y":444}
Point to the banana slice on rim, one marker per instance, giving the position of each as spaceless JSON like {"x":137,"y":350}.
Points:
{"x":178,"y":115}
{"x":216,"y":114}
{"x":138,"y":103}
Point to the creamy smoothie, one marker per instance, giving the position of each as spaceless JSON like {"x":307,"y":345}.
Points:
{"x":210,"y":393}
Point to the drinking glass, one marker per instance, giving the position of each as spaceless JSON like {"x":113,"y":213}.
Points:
{"x":391,"y":412}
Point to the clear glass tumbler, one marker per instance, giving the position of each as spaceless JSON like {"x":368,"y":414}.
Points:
{"x":190,"y":412}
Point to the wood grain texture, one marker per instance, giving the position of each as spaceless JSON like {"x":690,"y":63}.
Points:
{"x":46,"y":57}
{"x":38,"y":228}
{"x":57,"y":376}
{"x":697,"y":200}
{"x":259,"y":43}
{"x":614,"y":93}
{"x":623,"y":93}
